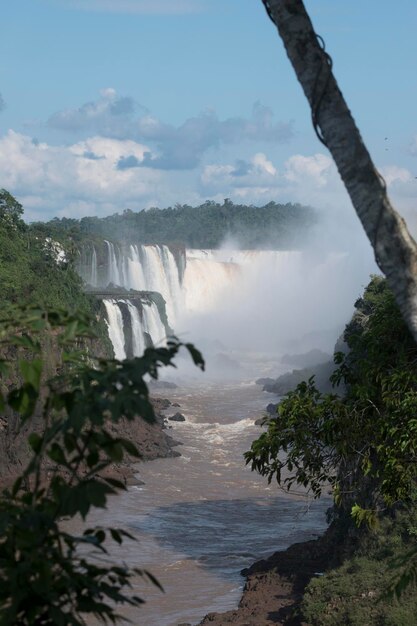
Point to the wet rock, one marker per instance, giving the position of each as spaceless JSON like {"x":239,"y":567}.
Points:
{"x":272,"y":408}
{"x":162,"y":384}
{"x":177,"y":417}
{"x":264,"y":381}
{"x":261,"y":421}
{"x":307,"y":359}
{"x":175,"y":404}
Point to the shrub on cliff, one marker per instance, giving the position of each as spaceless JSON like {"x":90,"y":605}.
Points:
{"x":363,"y":444}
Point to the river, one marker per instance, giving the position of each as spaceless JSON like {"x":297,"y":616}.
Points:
{"x":202,"y":517}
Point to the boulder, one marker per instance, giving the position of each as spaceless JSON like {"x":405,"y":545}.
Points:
{"x":177,"y":417}
{"x":271,"y":408}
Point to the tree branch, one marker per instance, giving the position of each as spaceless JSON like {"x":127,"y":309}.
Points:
{"x":395,"y":250}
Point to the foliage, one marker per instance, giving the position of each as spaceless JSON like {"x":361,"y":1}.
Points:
{"x":30,"y":269}
{"x":279,"y":226}
{"x":46,"y":577}
{"x":354,"y":592}
{"x":364,"y":444}
{"x":11,"y":212}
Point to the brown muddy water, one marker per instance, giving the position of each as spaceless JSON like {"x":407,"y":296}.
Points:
{"x":202,"y":517}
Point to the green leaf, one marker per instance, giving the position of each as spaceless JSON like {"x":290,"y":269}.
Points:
{"x":196,"y":356}
{"x":26,"y":341}
{"x":31,"y":372}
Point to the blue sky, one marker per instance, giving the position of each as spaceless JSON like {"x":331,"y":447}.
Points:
{"x":111,"y":104}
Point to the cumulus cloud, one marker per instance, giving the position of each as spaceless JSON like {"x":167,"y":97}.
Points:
{"x":174,"y":148}
{"x":109,"y":115}
{"x":74,"y":180}
{"x":103,"y":175}
{"x":306,"y":179}
{"x":316,"y":169}
{"x":167,"y":7}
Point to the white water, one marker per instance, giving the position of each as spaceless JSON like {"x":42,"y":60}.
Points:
{"x":93,"y":277}
{"x":201,"y":518}
{"x":137,"y":330}
{"x":152,"y":323}
{"x":115,"y":327}
{"x":256,"y":299}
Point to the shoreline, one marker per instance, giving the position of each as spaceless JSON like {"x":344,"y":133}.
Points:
{"x":152,"y":441}
{"x":274,"y":587}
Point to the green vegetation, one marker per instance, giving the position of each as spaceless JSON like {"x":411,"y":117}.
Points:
{"x":31,"y":268}
{"x":278,"y":226}
{"x":48,"y":575}
{"x":354,"y":593}
{"x":364,"y":444}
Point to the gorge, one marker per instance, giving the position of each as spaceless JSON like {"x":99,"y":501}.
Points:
{"x":202,"y":517}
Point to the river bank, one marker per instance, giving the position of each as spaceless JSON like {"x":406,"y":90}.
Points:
{"x":274,"y":587}
{"x":152,"y":441}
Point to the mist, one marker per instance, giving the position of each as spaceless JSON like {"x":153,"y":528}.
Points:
{"x":261,"y":304}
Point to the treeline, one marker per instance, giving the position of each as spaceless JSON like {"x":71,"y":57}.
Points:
{"x":273,"y":226}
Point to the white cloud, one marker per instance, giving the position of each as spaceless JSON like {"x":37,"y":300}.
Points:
{"x":174,"y":148}
{"x":314,"y":170}
{"x":306,"y":179}
{"x":102,"y":175}
{"x":67,"y":181}
{"x":262,"y":164}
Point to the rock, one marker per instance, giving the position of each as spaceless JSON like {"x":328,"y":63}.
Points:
{"x":308,"y":359}
{"x":164,"y":403}
{"x":175,"y":404}
{"x":261,"y":421}
{"x":289,"y":381}
{"x":264,"y":381}
{"x":162,"y":384}
{"x":177,"y":417}
{"x":272,"y":408}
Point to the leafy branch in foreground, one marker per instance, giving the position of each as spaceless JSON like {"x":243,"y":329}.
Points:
{"x":46,"y":575}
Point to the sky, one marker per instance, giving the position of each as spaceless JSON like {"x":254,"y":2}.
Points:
{"x":114,"y":104}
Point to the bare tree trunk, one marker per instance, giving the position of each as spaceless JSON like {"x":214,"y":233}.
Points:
{"x":395,"y":249}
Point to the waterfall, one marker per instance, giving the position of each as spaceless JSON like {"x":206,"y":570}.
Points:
{"x":115,"y":327}
{"x":135,"y":273}
{"x":209,"y":290}
{"x":138,"y":340}
{"x":128,"y":320}
{"x":152,"y":323}
{"x":113,"y":273}
{"x":93,"y":275}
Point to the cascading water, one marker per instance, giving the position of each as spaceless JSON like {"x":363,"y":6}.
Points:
{"x":115,"y":327}
{"x":231,"y":296}
{"x":113,"y":266}
{"x":93,"y":275}
{"x":138,"y":339}
{"x":152,"y":323}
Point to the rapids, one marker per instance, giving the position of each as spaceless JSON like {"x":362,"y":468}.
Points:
{"x":202,"y":517}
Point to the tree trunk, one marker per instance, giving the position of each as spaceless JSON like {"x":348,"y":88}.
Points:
{"x":395,"y":249}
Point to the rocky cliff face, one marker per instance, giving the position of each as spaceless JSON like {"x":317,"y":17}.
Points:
{"x":151,"y":440}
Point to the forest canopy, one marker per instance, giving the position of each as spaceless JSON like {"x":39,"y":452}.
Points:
{"x":274,"y":226}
